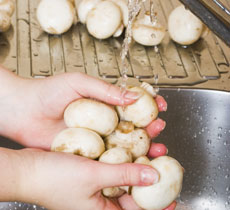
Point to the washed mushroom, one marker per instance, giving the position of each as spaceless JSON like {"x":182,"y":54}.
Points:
{"x":184,"y":27}
{"x":79,"y":141}
{"x":146,"y":32}
{"x":104,"y":19}
{"x":135,"y":140}
{"x":143,"y":111}
{"x":49,"y":18}
{"x":7,"y":6}
{"x":91,"y":114}
{"x":5,"y":21}
{"x":160,"y":195}
{"x":115,"y":155}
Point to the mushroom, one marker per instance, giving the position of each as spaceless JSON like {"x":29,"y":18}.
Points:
{"x":126,"y":136}
{"x":147,"y":33}
{"x":5,"y":21}
{"x":160,"y":195}
{"x":48,"y":15}
{"x":142,"y":112}
{"x":91,"y":114}
{"x":104,"y":20}
{"x":7,"y":6}
{"x":79,"y":141}
{"x":184,"y":27}
{"x":115,"y":155}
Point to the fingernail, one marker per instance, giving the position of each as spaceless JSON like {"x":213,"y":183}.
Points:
{"x":132,"y":95}
{"x":149,"y":176}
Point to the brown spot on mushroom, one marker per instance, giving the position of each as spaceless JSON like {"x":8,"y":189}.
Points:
{"x":60,"y":148}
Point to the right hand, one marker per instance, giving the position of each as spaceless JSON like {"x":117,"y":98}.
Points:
{"x":63,"y":181}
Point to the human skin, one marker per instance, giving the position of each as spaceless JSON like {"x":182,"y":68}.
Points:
{"x":32,"y":114}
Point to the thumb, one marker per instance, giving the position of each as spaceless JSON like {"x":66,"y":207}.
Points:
{"x":127,"y":174}
{"x":92,"y":87}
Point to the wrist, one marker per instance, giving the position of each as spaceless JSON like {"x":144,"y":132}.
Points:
{"x":9,"y":101}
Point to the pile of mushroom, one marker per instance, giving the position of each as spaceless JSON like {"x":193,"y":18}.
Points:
{"x":56,"y":16}
{"x":7,"y":8}
{"x":103,"y":19}
{"x":116,"y":135}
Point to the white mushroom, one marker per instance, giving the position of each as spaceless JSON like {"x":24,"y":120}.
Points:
{"x":115,"y":156}
{"x":55,"y":16}
{"x":5,"y":21}
{"x":160,"y":195}
{"x":104,"y":19}
{"x":7,"y":6}
{"x":125,"y":136}
{"x":84,"y":8}
{"x":91,"y":114}
{"x":142,"y":112}
{"x":79,"y":141}
{"x":147,"y":33}
{"x":184,"y":27}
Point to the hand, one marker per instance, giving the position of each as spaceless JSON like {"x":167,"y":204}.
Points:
{"x":35,"y":107}
{"x":63,"y":181}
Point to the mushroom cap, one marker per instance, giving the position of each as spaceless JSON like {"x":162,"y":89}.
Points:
{"x":142,"y":112}
{"x":5,"y":21}
{"x":7,"y":6}
{"x":116,"y":155}
{"x":48,"y":15}
{"x":79,"y":141}
{"x":147,"y":33}
{"x":166,"y":190}
{"x":84,"y":7}
{"x":136,"y":141}
{"x":103,"y":20}
{"x":91,"y":114}
{"x":124,"y":10}
{"x":184,"y":27}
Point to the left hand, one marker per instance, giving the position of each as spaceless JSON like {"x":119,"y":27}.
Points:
{"x":35,"y":107}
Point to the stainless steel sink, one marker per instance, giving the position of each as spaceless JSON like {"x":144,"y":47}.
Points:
{"x":198,"y":135}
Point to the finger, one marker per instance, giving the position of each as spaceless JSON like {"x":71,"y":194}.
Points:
{"x":127,"y":203}
{"x":172,"y":206}
{"x":127,"y":174}
{"x":91,"y":87}
{"x":157,"y":149}
{"x":155,"y":127}
{"x":162,"y":104}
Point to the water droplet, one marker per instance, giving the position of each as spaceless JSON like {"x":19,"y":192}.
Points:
{"x":209,"y":141}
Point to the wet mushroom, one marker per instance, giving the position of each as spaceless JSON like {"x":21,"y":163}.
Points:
{"x":49,"y":18}
{"x":146,"y":32}
{"x":166,"y":190}
{"x":79,"y":141}
{"x":184,"y":27}
{"x":91,"y":114}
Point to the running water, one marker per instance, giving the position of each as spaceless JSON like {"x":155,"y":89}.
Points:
{"x":134,"y":6}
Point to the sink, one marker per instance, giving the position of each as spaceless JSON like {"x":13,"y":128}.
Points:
{"x":198,"y":136}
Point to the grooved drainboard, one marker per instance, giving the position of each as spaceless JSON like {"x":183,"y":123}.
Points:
{"x":29,"y":52}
